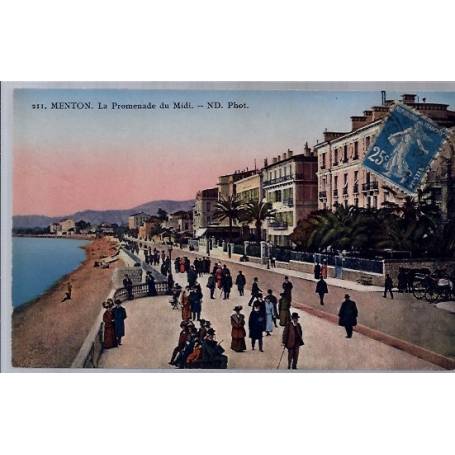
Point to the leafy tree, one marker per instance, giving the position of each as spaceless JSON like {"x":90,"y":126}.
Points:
{"x":258,"y":212}
{"x":230,"y":208}
{"x":161,"y":214}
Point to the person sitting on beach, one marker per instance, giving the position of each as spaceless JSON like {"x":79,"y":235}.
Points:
{"x":69,"y":290}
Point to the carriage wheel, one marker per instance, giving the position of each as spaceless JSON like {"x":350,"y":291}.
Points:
{"x":418,"y":289}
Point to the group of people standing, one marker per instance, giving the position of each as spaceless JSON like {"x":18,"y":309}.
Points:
{"x":114,"y":323}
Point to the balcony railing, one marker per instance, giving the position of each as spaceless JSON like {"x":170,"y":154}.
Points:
{"x":322,"y":194}
{"x":370,"y":186}
{"x":278,"y":225}
{"x":288,"y":202}
{"x":283,"y":178}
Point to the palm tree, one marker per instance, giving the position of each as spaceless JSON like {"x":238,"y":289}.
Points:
{"x":258,"y":212}
{"x":230,"y":208}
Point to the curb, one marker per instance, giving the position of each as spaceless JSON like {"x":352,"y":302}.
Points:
{"x":417,"y":351}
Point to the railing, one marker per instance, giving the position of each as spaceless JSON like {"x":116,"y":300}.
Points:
{"x":288,"y":202}
{"x":238,"y":248}
{"x":141,"y":290}
{"x":283,"y":178}
{"x":96,"y":349}
{"x":322,"y":194}
{"x":365,"y":265}
{"x":253,"y":249}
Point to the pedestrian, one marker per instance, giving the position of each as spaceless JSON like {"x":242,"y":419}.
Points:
{"x":181,"y":342}
{"x":128,"y":285}
{"x":170,"y":283}
{"x":185,"y":302}
{"x":269,"y":313}
{"x":317,"y":271}
{"x":182,"y":265}
{"x":227,"y":285}
{"x":219,"y":277}
{"x":402,"y":280}
{"x":150,"y":281}
{"x":271,"y":298}
{"x":211,"y":285}
{"x":109,"y":340}
{"x":256,"y":326}
{"x":212,"y":352}
{"x":119,"y":321}
{"x":284,"y":306}
{"x":196,"y":304}
{"x":321,"y":289}
{"x":207,"y":265}
{"x":238,"y":333}
{"x":177,"y":265}
{"x":324,"y":269}
{"x":202,"y":332}
{"x":348,"y":315}
{"x":287,"y":289}
{"x":388,"y":286}
{"x":273,"y":262}
{"x":255,"y":291}
{"x":69,"y":290}
{"x":292,"y":340}
{"x":240,"y":282}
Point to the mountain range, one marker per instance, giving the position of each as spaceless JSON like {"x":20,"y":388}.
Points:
{"x":102,"y":216}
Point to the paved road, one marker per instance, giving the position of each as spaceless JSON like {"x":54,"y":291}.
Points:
{"x":152,"y":330}
{"x":405,"y":317}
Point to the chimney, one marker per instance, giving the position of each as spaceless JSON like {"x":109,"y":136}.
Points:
{"x":379,"y":112}
{"x":284,"y":156}
{"x":266,"y":162}
{"x":358,"y":121}
{"x":368,"y":116}
{"x":307,"y":150}
{"x":290,"y":153}
{"x":408,"y":98}
{"x":279,"y":158}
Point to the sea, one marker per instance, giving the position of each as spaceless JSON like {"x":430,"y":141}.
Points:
{"x":38,"y":263}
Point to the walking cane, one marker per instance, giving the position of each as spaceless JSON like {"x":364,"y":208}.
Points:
{"x":281,"y":358}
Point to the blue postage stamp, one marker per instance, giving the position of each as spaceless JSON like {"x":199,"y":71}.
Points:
{"x":405,"y":148}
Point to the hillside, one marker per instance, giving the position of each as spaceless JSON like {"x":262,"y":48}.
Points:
{"x":102,"y":216}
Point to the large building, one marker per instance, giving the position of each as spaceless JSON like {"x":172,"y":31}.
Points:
{"x":136,"y":219}
{"x":342,"y":178}
{"x":227,"y":183}
{"x":204,"y":207}
{"x":180,"y":221}
{"x":63,"y":227}
{"x":290,"y":185}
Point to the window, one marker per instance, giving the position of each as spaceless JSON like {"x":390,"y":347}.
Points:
{"x":335,"y":157}
{"x":356,"y":150}
{"x":345,"y":153}
{"x":375,"y":202}
{"x":367,"y":143}
{"x":208,"y":206}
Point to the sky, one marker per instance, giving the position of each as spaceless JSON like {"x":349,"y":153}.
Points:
{"x":100,"y":159}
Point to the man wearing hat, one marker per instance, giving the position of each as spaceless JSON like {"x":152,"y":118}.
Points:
{"x":212,"y":352}
{"x":238,"y":330}
{"x":348,"y":315}
{"x":292,"y":340}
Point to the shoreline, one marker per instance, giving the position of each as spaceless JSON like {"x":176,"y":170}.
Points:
{"x":48,"y":333}
{"x":55,"y":284}
{"x":50,"y":236}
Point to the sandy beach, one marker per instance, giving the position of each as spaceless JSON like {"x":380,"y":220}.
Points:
{"x":48,"y":333}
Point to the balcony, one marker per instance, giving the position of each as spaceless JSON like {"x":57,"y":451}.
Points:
{"x":370,"y":186}
{"x":322,"y":194}
{"x":278,"y":225}
{"x":281,"y":179}
{"x":288,"y":202}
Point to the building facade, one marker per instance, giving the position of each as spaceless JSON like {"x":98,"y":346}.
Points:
{"x":136,"y":219}
{"x":343,"y":180}
{"x":249,"y":189}
{"x":180,"y":221}
{"x":290,"y":185}
{"x":204,"y":207}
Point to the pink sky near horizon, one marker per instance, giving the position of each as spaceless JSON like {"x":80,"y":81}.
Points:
{"x":100,"y":182}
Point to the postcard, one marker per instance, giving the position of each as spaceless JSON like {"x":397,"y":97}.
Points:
{"x":228,"y":226}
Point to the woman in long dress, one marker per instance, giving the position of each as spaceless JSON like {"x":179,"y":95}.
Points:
{"x":238,"y":332}
{"x":109,"y":339}
{"x":269,"y":315}
{"x":186,"y":306}
{"x":219,"y":277}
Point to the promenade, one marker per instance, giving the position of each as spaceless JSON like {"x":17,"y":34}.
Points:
{"x":152,"y":330}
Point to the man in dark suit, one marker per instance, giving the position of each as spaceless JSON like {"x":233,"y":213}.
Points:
{"x":128,"y":285}
{"x":348,"y":315}
{"x":292,"y":340}
{"x":255,"y":291}
{"x":119,"y":321}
